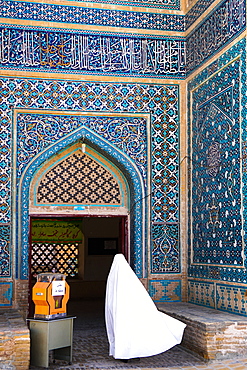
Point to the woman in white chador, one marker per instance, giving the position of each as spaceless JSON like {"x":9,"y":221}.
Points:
{"x":135,"y":328}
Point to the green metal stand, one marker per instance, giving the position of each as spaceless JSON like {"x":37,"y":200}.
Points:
{"x":46,"y":335}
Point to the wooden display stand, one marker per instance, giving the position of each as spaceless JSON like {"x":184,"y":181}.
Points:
{"x":46,"y":335}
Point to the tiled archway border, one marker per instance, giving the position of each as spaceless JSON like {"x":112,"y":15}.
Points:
{"x":159,"y":102}
{"x":128,"y":167}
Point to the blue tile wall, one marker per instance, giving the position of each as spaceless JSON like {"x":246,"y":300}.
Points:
{"x":5,"y":252}
{"x":217,"y":245}
{"x":128,"y":134}
{"x":201,"y":293}
{"x":224,"y":297}
{"x":163,"y":4}
{"x":33,"y":149}
{"x":233,"y":7}
{"x":53,"y":50}
{"x":216,"y":177}
{"x":6,"y":292}
{"x":220,"y":27}
{"x":217,"y":249}
{"x":163,"y":291}
{"x":231,"y":299}
{"x":165,"y":254}
{"x":117,"y":156}
{"x":90,"y":16}
{"x":196,"y":11}
{"x":110,"y":53}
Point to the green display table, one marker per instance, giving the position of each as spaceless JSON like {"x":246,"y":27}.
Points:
{"x":47,"y":335}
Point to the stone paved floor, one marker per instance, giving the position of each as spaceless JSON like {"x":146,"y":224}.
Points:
{"x":90,"y":348}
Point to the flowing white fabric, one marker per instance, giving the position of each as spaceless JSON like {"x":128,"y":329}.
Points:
{"x":135,"y":328}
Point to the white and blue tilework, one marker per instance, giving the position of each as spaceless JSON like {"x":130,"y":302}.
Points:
{"x":160,"y":100}
{"x":223,"y":24}
{"x":217,"y":243}
{"x":44,"y":50}
{"x":90,"y":16}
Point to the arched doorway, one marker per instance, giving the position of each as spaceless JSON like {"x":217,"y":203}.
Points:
{"x":79,"y":203}
{"x":135,"y":210}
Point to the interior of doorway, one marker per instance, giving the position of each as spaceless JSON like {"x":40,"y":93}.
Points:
{"x":81,"y":247}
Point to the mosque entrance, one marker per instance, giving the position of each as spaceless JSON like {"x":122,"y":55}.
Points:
{"x":83,"y":209}
{"x":80,"y":247}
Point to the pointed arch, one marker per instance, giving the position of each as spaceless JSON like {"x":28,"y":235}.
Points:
{"x":137,"y":196}
{"x":79,"y":175}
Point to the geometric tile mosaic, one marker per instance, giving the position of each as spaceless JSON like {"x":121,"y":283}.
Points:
{"x":5,"y":253}
{"x":219,"y":28}
{"x":165,"y":165}
{"x":78,"y":179}
{"x":137,"y":186}
{"x":5,"y":165}
{"x":89,"y":53}
{"x":216,"y":184}
{"x":228,"y":8}
{"x":165,"y":256}
{"x":165,"y":4}
{"x":117,"y":18}
{"x":196,"y":11}
{"x":92,"y":16}
{"x":165,"y":290}
{"x":6,"y":293}
{"x":217,"y":249}
{"x":216,"y":171}
{"x":160,"y":100}
{"x":231,"y":298}
{"x":202,"y":293}
{"x":111,"y":54}
{"x":217,"y":192}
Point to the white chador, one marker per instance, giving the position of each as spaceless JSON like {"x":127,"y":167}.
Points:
{"x":135,"y":328}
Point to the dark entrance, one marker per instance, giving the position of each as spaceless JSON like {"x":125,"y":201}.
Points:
{"x":81,"y":247}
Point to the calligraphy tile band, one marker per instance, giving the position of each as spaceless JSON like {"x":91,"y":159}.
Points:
{"x":77,"y":52}
{"x":121,"y":55}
